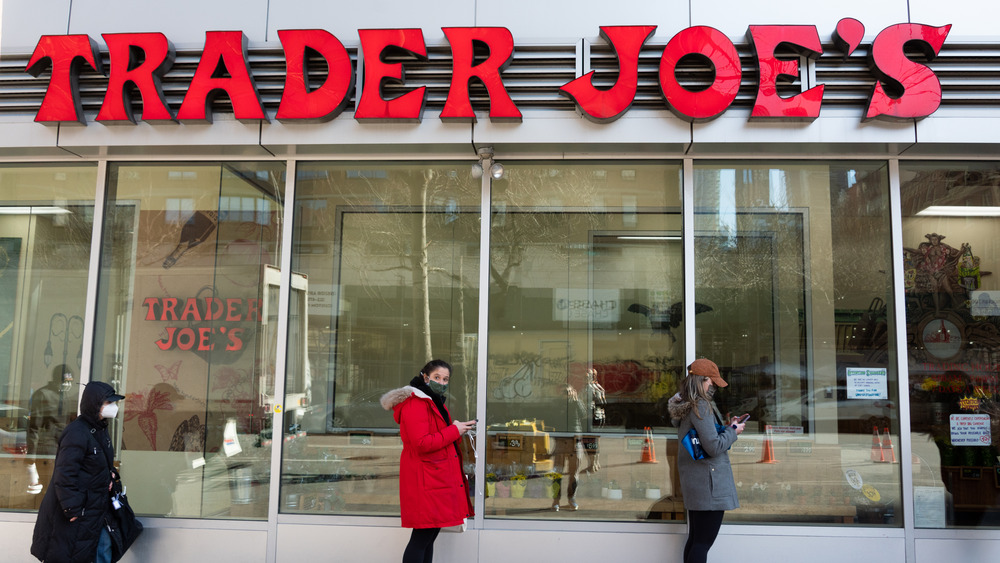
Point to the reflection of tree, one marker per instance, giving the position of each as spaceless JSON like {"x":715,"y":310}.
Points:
{"x":538,"y":210}
{"x":408,"y":229}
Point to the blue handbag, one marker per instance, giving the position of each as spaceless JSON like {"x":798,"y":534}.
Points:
{"x":692,"y":444}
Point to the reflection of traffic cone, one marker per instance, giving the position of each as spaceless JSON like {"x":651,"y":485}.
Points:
{"x":887,"y":446}
{"x":648,"y":451}
{"x":878,"y":456}
{"x":767,"y":456}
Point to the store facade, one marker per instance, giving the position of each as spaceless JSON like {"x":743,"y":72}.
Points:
{"x":256,"y":220}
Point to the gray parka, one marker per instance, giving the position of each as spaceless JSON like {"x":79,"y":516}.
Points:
{"x":706,"y":484}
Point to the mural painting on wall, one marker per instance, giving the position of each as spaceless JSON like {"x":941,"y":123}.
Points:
{"x":195,"y":322}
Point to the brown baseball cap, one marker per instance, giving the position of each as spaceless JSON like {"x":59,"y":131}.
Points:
{"x":707,"y":368}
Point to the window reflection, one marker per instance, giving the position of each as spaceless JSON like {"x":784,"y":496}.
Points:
{"x":184,"y":325}
{"x":46,"y":222}
{"x":586,"y":340}
{"x":795,"y":259}
{"x":391,"y":257}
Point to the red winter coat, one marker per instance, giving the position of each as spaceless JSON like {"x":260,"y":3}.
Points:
{"x":433,"y":491}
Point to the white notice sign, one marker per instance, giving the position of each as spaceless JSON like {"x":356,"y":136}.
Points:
{"x":970,"y":430}
{"x":929,"y":507}
{"x":867,"y":383}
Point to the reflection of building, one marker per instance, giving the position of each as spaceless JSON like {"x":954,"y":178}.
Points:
{"x":255,"y":285}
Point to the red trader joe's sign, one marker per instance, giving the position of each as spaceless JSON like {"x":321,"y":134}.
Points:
{"x":905,"y":89}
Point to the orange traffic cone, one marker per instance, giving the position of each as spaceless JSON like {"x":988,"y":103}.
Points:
{"x":648,"y":450}
{"x":767,"y":456}
{"x":878,"y":456}
{"x":887,"y":446}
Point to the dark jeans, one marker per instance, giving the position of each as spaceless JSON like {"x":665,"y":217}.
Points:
{"x":421,"y":546}
{"x":703,"y":527}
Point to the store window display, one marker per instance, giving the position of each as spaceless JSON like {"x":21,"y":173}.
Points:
{"x":950,"y":256}
{"x":186,"y":323}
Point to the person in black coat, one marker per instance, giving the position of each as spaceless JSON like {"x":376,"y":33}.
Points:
{"x":71,"y":525}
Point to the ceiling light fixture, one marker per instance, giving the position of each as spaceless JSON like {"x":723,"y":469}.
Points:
{"x":960,"y":211}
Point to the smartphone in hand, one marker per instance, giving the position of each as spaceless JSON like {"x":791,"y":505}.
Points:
{"x":743,"y":418}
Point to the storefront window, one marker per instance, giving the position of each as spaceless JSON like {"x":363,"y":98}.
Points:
{"x":951,"y":252}
{"x":793,"y":266}
{"x":586,"y":340}
{"x":385,"y":277}
{"x":184,"y":328}
{"x":46,"y":223}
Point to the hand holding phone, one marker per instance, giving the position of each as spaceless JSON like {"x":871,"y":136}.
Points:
{"x":743,"y":418}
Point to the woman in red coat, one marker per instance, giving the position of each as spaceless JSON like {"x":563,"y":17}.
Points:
{"x":433,"y":491}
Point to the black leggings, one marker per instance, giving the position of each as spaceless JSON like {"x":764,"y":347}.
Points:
{"x":703,"y":527}
{"x":421,"y":546}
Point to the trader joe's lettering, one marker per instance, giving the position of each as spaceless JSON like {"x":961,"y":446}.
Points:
{"x":201,"y":336}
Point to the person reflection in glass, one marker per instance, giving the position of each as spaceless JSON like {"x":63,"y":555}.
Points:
{"x":596,"y":400}
{"x":566,"y":455}
{"x":50,"y":409}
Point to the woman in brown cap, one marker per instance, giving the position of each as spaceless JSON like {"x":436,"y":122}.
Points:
{"x":707,"y":484}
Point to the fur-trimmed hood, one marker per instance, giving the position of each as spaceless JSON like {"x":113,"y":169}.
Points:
{"x":678,"y":408}
{"x":397,"y":396}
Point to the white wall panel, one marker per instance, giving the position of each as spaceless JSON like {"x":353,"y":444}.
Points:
{"x":204,"y":543}
{"x":223,"y":136}
{"x":184,"y":22}
{"x":344,"y":19}
{"x":16,"y":541}
{"x":345,"y":134}
{"x":26,"y":136}
{"x":356,"y":544}
{"x":532,"y":21}
{"x":22,"y":27}
{"x":835,"y":127}
{"x":938,"y":550}
{"x":969,"y":18}
{"x":829,"y":547}
{"x":958,"y":126}
{"x":347,"y":544}
{"x":659,"y":129}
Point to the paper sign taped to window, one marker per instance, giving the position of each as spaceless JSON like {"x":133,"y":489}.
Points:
{"x":970,"y":430}
{"x":867,"y":383}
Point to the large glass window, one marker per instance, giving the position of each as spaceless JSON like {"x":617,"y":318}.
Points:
{"x":951,"y":255}
{"x":385,"y":278}
{"x":46,"y":223}
{"x":794,"y":262}
{"x":586,"y":340}
{"x":185,"y":328}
